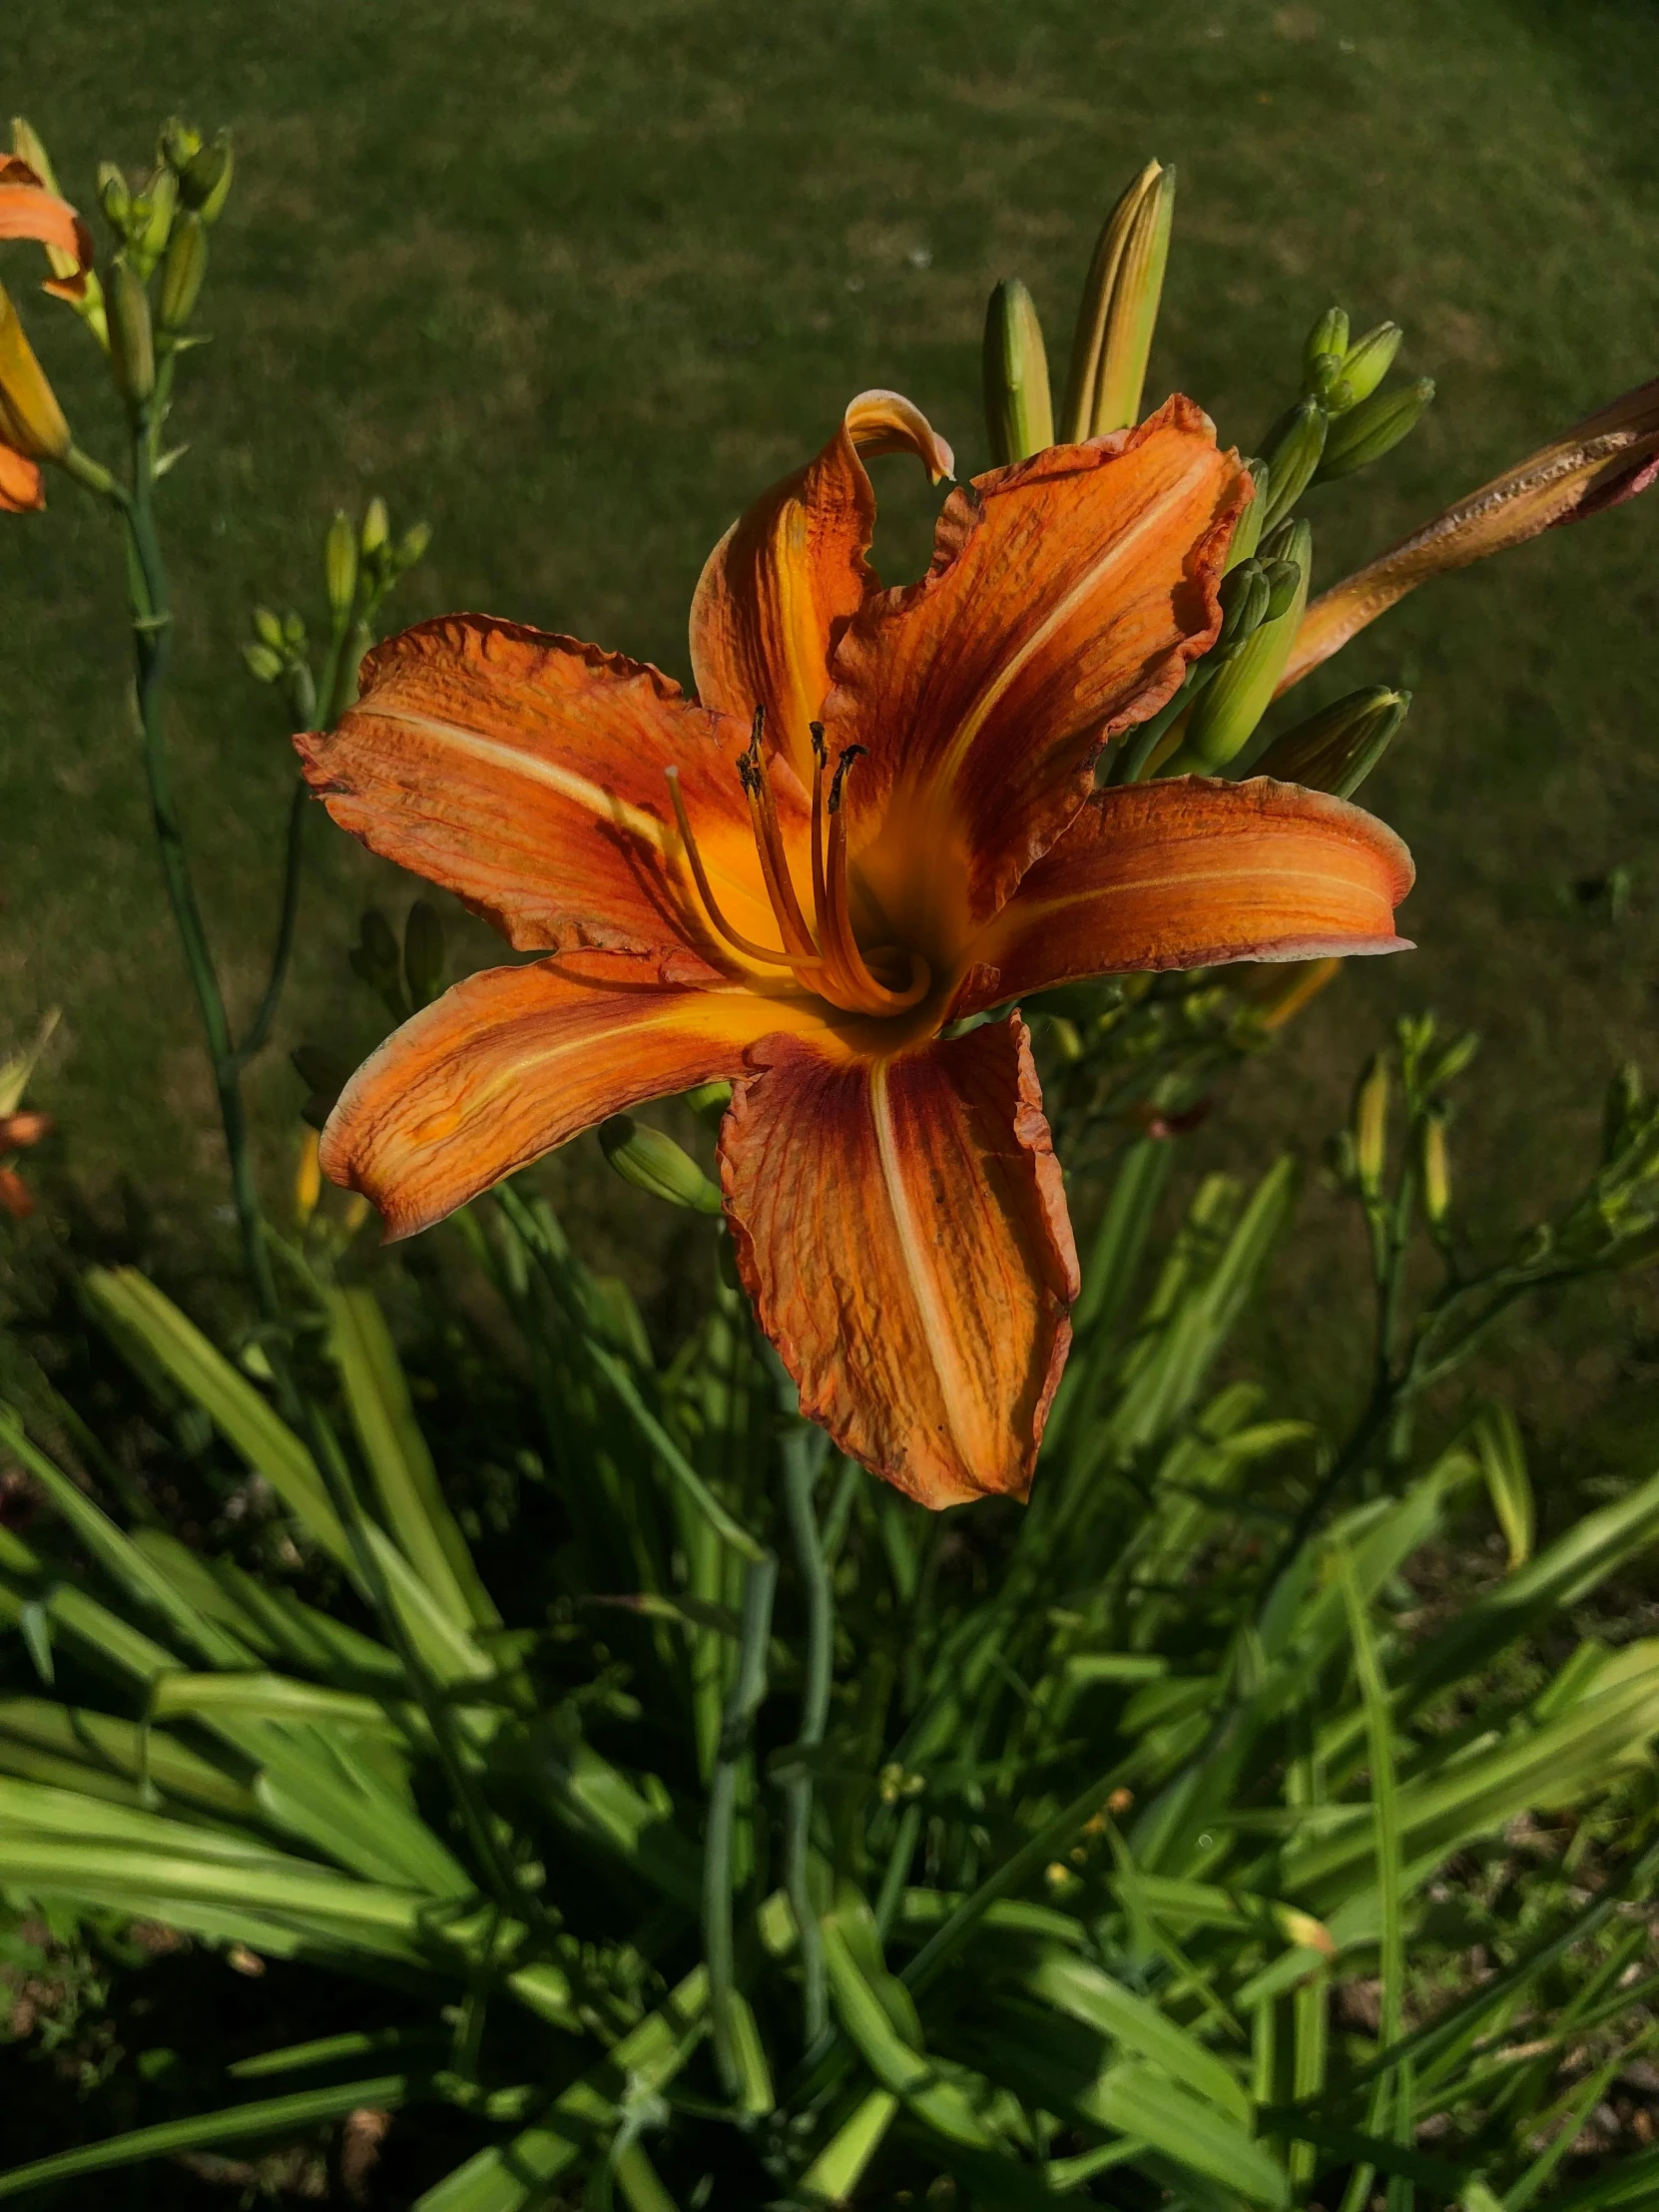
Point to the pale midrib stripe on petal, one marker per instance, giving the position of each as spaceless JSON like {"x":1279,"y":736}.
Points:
{"x":1061,"y":613}
{"x":1023,"y":910}
{"x":937,"y":1329}
{"x":591,"y":798}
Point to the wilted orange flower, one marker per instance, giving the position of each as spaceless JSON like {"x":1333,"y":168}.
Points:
{"x":32,"y":426}
{"x":878,"y":819}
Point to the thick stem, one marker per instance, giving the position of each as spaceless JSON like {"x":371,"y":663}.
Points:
{"x":259,"y":1029}
{"x":801,"y":1466}
{"x":737,"y":1726}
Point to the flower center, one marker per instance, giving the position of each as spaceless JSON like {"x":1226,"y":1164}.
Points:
{"x":823,"y":952}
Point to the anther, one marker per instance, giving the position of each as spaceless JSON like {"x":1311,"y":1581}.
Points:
{"x":853,"y":752}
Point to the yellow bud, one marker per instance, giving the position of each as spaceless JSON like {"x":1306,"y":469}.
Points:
{"x":1371,"y":1125}
{"x":307,"y":1179}
{"x":1019,"y":414}
{"x":1120,"y":307}
{"x":376,"y":526}
{"x":1437,"y":1171}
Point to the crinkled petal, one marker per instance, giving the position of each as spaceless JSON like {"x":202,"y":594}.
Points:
{"x":525,"y":772}
{"x":30,"y":422}
{"x":1194,"y":872}
{"x":511,"y":1062}
{"x":29,"y":210}
{"x":1066,"y":597}
{"x":901,"y":1227}
{"x":783,"y":581}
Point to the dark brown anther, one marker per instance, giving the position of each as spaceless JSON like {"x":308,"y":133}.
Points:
{"x":853,"y":752}
{"x":757,"y":728}
{"x":749,"y":774}
{"x":820,"y":751}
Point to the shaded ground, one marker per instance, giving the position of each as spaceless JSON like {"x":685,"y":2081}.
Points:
{"x":574,"y":282}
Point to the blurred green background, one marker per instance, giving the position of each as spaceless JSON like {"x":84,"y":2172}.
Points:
{"x":574,"y":281}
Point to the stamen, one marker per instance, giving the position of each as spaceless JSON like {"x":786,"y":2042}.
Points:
{"x":769,"y":843}
{"x":820,"y":757}
{"x":839,"y":944}
{"x":700,"y":875}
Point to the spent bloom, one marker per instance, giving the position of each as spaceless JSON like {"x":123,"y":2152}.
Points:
{"x":828,"y":879}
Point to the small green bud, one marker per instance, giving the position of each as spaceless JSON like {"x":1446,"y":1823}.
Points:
{"x":1293,"y":446}
{"x":1019,"y":411}
{"x":376,"y":526}
{"x":269,"y":628}
{"x":1336,"y":749}
{"x":1619,"y":1111}
{"x":263,"y":664}
{"x":178,"y":145}
{"x":132,"y":340}
{"x":1247,"y":532}
{"x":412,"y":546}
{"x":424,"y":953}
{"x":1451,"y":1062}
{"x":1245,"y":592}
{"x":1326,"y":341}
{"x":1373,"y":429}
{"x":1283,"y":579}
{"x":1227,"y":711}
{"x":206,"y":181}
{"x":339,"y":561}
{"x":1371,"y":1126}
{"x":161,"y":200}
{"x":655,"y":1163}
{"x":183,"y":271}
{"x":114,"y":197}
{"x":1322,"y":378}
{"x":1435,"y":1166}
{"x":294,"y":631}
{"x":708,"y":1102}
{"x":1119,"y":309}
{"x":1368,"y":361}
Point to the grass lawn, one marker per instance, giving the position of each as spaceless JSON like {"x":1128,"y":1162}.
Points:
{"x":574,"y":281}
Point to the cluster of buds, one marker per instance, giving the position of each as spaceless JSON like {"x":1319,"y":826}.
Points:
{"x":161,"y":230}
{"x":20,"y":1127}
{"x":362,"y":564}
{"x":1427,"y":1066}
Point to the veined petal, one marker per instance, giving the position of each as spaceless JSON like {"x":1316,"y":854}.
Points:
{"x":30,"y":422}
{"x":785,"y":576}
{"x":1608,"y":458}
{"x":525,"y":772}
{"x":22,"y":487}
{"x":29,"y":210}
{"x":1067,"y":593}
{"x":511,"y":1062}
{"x":901,"y":1227}
{"x":1194,"y":872}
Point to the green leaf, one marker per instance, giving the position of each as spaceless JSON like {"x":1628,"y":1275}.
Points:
{"x":1497,"y":1443}
{"x":1074,"y":1986}
{"x":1141,"y":2101}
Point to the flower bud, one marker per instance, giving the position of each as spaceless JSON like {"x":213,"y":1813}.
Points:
{"x":412,"y":546}
{"x":1367,"y":360}
{"x":1282,"y":578}
{"x":708,"y":1102}
{"x":1246,"y":531}
{"x":307,"y":1179}
{"x":294,"y":631}
{"x":1336,"y":749}
{"x":206,"y":181}
{"x":1435,"y":1167}
{"x":339,"y":562}
{"x":114,"y":197}
{"x":655,"y":1163}
{"x":160,"y":201}
{"x":1019,"y":414}
{"x":1293,"y":446}
{"x":1371,"y":1126}
{"x":17,"y":1071}
{"x":376,"y":526}
{"x":1227,"y":711}
{"x":263,"y":664}
{"x":132,"y":342}
{"x":1326,"y":341}
{"x":1120,"y":308}
{"x":1373,"y":429}
{"x":183,"y":269}
{"x":424,"y":953}
{"x":1245,"y":593}
{"x":178,"y":145}
{"x":1619,"y":1111}
{"x":269,"y":628}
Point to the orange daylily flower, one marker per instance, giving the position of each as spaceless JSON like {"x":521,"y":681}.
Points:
{"x":878,"y":819}
{"x":1600,"y":462}
{"x":32,"y":426}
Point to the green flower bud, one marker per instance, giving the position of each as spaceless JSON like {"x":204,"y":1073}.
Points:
{"x":1120,"y":307}
{"x":183,"y":269}
{"x":206,"y":181}
{"x":1293,"y":446}
{"x":708,"y":1102}
{"x":132,"y":340}
{"x":1245,"y":592}
{"x":1227,"y":711}
{"x":1435,"y":1168}
{"x":1336,"y":749}
{"x":376,"y":526}
{"x":1368,"y":360}
{"x":1323,"y":377}
{"x":294,"y":631}
{"x":1019,"y":414}
{"x":1282,"y":578}
{"x":1246,"y":531}
{"x":263,"y":664}
{"x":114,"y":197}
{"x":424,"y":953}
{"x":1326,"y":341}
{"x":1371,"y":1126}
{"x":161,"y":200}
{"x":655,"y":1163}
{"x":339,"y":561}
{"x":1620,"y":1111}
{"x":270,"y":627}
{"x":178,"y":145}
{"x":1373,"y":429}
{"x":412,"y":546}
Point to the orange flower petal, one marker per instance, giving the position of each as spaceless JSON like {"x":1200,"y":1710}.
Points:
{"x":901,"y":1227}
{"x":1194,"y":872}
{"x":1066,"y":597}
{"x":1606,"y":458}
{"x":525,"y":772}
{"x":786,"y":575}
{"x":30,"y":422}
{"x":22,"y":486}
{"x":514,"y":1060}
{"x":29,"y":210}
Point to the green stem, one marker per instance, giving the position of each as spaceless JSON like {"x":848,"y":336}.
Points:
{"x":743,"y":1702}
{"x":802,"y":1463}
{"x":259,"y":1029}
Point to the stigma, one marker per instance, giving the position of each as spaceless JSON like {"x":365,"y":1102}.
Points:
{"x":822,"y":950}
